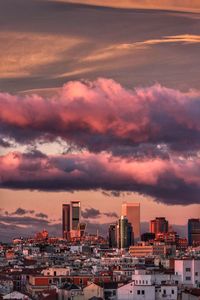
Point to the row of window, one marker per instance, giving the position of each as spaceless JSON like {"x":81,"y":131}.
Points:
{"x":142,"y":292}
{"x":139,"y":292}
{"x":141,"y":281}
{"x":164,"y":291}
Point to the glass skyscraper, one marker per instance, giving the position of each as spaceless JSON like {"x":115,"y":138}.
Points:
{"x":124,"y":233}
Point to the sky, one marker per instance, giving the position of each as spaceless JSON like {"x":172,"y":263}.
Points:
{"x":99,"y":102}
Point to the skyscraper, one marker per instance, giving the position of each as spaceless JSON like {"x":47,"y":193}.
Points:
{"x":75,"y":210}
{"x":124,"y":233}
{"x":194,"y":232}
{"x":71,"y":214}
{"x":132,"y":212}
{"x":65,"y":220}
{"x":159,"y":225}
{"x":112,"y":235}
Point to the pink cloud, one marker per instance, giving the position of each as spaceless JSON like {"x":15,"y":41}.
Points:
{"x":173,"y":181}
{"x":102,"y":114}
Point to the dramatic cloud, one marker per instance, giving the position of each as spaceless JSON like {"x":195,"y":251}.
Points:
{"x":79,"y":32}
{"x":102,"y":115}
{"x":172,"y":181}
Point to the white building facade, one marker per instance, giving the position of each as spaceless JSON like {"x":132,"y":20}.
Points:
{"x":189,"y":271}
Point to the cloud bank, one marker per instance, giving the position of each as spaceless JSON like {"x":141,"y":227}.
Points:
{"x":144,"y":140}
{"x":102,"y":115}
{"x":172,"y":181}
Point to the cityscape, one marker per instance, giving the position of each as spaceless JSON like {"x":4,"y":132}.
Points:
{"x":158,"y":264}
{"x":100,"y":149}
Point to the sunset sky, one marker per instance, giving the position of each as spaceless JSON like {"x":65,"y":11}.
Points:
{"x":99,"y":102}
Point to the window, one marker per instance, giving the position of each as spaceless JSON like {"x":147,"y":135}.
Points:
{"x":143,"y":292}
{"x":131,"y":292}
{"x":164,"y":292}
{"x":146,"y":281}
{"x":173,"y":292}
{"x":187,"y":269}
{"x":188,"y":278}
{"x":196,"y":273}
{"x":142,"y":281}
{"x":138,"y":292}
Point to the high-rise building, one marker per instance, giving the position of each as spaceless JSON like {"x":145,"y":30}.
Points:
{"x":194,"y":232}
{"x":124,"y":233}
{"x":71,"y":215}
{"x":65,"y":220}
{"x":112,"y":235}
{"x":75,"y":210}
{"x":132,"y":212}
{"x":75,"y":217}
{"x":159,"y":225}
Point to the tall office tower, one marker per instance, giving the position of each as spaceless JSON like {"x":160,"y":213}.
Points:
{"x":159,"y":225}
{"x":112,"y":235}
{"x":66,"y":221}
{"x":194,"y":232}
{"x":132,"y":212}
{"x":75,"y":216}
{"x":71,"y":215}
{"x":125,"y":233}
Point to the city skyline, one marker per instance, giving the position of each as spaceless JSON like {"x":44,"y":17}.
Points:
{"x":96,"y":218}
{"x":87,"y":223}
